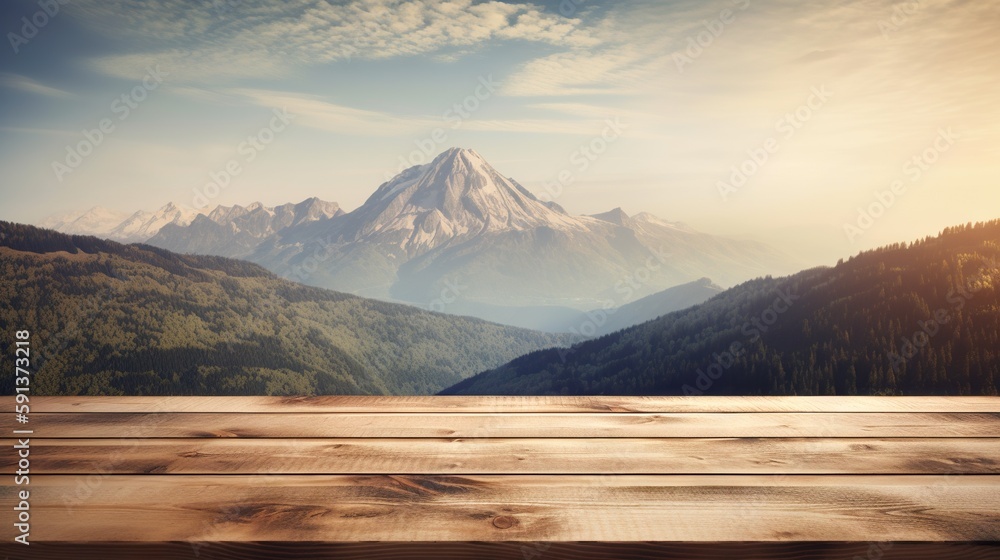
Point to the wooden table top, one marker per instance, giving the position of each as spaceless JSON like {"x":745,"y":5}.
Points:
{"x":508,"y":477}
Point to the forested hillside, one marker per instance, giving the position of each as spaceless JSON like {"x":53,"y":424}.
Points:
{"x":107,"y":318}
{"x":918,"y":318}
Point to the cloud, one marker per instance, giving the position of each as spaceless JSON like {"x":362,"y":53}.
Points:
{"x":618,"y":70}
{"x":626,"y":48}
{"x":42,"y":131}
{"x":24,"y":83}
{"x":587,"y":110}
{"x":538,"y":126}
{"x":317,"y":112}
{"x":254,"y":38}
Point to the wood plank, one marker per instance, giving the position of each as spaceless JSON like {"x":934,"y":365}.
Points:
{"x":457,"y":404}
{"x":465,"y":425}
{"x":504,"y":551}
{"x":689,"y":471}
{"x":702,"y":508}
{"x":514,"y":456}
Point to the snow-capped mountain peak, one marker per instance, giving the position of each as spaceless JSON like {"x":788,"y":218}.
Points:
{"x":94,"y":221}
{"x":254,"y":220}
{"x":312,"y":209}
{"x":235,"y":231}
{"x":645,"y":218}
{"x":455,"y":195}
{"x":142,"y":225}
{"x":616,"y":216}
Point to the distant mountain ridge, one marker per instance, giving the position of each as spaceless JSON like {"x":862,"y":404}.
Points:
{"x":595,"y":322}
{"x":97,"y":221}
{"x":142,"y":225}
{"x":235,"y":231}
{"x":599,"y":322}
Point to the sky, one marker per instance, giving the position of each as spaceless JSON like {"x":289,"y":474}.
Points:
{"x":823,"y":128}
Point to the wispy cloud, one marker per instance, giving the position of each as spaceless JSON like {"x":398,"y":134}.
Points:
{"x":585,"y":128}
{"x":316,"y":112}
{"x":626,"y":48}
{"x":587,"y":110}
{"x":618,"y":70}
{"x":42,"y":131}
{"x":255,"y":38}
{"x":23,"y":83}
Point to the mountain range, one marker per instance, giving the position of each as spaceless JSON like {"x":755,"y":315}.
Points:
{"x":235,"y":231}
{"x":117,"y":226}
{"x":98,"y":221}
{"x":595,"y":322}
{"x":457,"y":236}
{"x":920,"y":319}
{"x":254,"y":220}
{"x":108,"y":318}
{"x":456,"y":229}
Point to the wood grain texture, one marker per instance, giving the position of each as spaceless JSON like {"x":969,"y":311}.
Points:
{"x":514,"y":456}
{"x":459,"y":404}
{"x":514,"y":508}
{"x":527,"y":425}
{"x":499,"y":477}
{"x":504,"y":551}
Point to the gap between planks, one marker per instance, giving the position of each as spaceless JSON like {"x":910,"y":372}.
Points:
{"x":823,"y":550}
{"x":526,"y":425}
{"x":513,"y":404}
{"x":513,"y":456}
